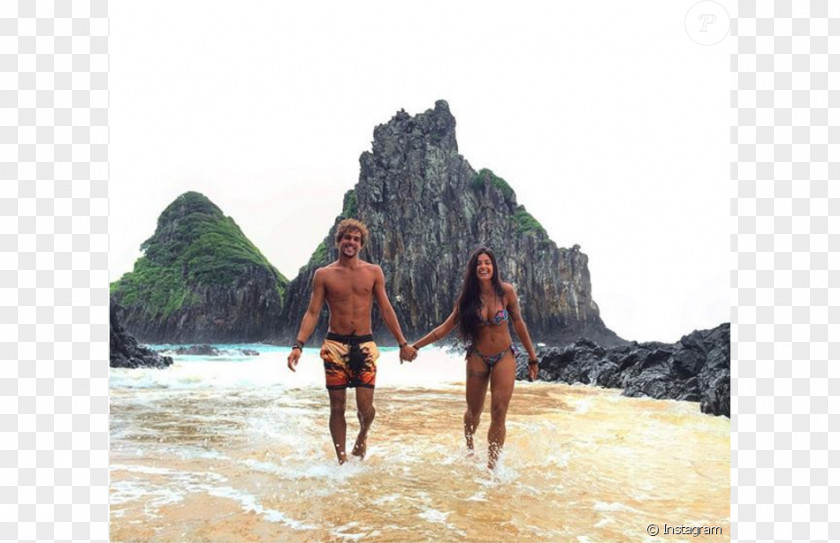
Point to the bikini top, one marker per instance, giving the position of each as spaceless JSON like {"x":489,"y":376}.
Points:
{"x":499,"y":318}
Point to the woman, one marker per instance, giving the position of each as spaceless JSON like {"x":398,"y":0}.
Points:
{"x":482,"y":313}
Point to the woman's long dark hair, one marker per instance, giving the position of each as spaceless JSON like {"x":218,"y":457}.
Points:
{"x":469,"y":301}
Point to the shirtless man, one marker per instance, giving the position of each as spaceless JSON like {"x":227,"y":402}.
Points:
{"x":349,"y":286}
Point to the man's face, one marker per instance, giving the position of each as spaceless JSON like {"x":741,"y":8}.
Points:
{"x":484,"y":267}
{"x":350,"y":243}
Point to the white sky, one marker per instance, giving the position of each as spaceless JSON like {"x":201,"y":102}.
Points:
{"x":608,"y":121}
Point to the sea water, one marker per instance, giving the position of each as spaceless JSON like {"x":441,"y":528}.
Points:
{"x":237,"y":448}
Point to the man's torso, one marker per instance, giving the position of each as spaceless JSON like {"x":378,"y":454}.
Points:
{"x":349,"y":296}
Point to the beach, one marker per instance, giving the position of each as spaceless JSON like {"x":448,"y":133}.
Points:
{"x":237,"y":448}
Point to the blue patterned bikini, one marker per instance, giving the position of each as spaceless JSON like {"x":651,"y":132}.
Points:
{"x":490,"y":360}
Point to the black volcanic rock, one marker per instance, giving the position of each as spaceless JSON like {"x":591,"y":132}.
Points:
{"x":200,"y":280}
{"x":696,"y":368}
{"x":198,"y":350}
{"x":124,"y":350}
{"x":427,"y":210}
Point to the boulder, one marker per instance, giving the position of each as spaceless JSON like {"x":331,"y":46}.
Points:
{"x":125,"y":352}
{"x":696,"y":368}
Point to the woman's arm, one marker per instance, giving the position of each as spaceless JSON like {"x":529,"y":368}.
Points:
{"x":521,"y":329}
{"x":440,"y":332}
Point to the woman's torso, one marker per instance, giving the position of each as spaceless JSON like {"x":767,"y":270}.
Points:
{"x":493,"y":333}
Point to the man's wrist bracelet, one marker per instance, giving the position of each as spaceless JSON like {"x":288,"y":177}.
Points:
{"x":298,"y":344}
{"x":534,"y":362}
{"x":403,"y":344}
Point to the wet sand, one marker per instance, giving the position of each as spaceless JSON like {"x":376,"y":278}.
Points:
{"x":580,"y":464}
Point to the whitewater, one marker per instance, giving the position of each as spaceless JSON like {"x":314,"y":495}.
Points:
{"x":237,"y":448}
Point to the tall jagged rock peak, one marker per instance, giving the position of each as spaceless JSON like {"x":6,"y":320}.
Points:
{"x":427,"y":210}
{"x":199,"y":279}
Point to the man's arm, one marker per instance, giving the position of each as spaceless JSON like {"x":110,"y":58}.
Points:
{"x":407,"y":352}
{"x":310,"y":318}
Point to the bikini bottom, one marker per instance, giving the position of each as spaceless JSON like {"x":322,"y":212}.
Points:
{"x":491,"y":360}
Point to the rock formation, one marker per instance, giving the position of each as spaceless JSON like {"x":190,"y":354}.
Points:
{"x":209,"y":350}
{"x":200,"y":280}
{"x":427,"y":210}
{"x":696,"y":368}
{"x":126,"y":353}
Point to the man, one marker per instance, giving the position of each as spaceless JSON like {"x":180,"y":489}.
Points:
{"x":349,"y":285}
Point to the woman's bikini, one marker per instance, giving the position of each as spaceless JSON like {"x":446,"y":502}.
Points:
{"x":501,"y":317}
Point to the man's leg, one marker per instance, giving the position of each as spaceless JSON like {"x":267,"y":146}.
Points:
{"x":477,"y":379}
{"x":338,"y":425}
{"x":366,"y":413}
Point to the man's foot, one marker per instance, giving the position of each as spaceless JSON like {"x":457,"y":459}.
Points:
{"x":360,"y":449}
{"x":468,"y":437}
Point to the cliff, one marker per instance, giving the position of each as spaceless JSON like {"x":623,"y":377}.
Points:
{"x":427,"y":209}
{"x":199,"y":280}
{"x":124,"y":350}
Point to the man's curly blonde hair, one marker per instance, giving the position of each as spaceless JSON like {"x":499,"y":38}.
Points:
{"x":349,"y":225}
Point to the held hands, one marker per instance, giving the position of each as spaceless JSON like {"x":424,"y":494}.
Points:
{"x":407,"y":353}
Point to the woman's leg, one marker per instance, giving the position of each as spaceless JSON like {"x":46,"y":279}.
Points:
{"x":501,"y":390}
{"x":478,"y":377}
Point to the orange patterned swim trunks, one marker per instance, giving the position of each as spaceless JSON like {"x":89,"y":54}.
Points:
{"x":349,"y":361}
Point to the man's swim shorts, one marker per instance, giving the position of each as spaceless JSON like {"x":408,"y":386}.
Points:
{"x":349,"y":361}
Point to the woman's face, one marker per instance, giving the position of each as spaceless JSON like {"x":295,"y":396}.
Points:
{"x":484,"y":267}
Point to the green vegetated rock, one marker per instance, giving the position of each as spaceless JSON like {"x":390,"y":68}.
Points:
{"x":199,"y":280}
{"x":427,"y":210}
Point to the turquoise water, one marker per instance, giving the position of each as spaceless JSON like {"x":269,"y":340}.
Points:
{"x":233,"y":369}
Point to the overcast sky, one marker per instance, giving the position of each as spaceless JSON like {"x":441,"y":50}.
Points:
{"x":608,"y":121}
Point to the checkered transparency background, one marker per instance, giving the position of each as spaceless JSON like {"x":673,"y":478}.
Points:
{"x":786,"y":380}
{"x":53,"y":270}
{"x":54,"y":281}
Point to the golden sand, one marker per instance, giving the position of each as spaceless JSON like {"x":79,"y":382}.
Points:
{"x":580,"y":464}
